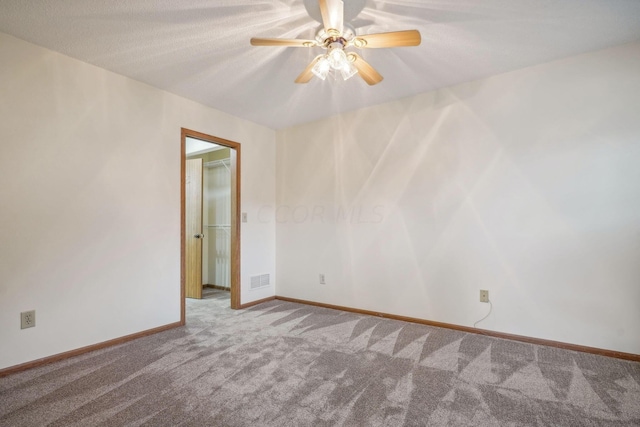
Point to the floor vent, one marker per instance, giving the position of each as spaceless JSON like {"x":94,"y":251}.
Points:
{"x":260,"y":281}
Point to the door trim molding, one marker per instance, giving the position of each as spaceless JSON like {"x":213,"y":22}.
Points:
{"x":235,"y":214}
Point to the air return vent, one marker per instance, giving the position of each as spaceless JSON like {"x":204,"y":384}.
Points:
{"x":260,"y":281}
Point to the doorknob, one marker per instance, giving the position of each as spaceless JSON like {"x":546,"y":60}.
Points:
{"x":198,"y":236}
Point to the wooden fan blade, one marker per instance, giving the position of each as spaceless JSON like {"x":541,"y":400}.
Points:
{"x":332,"y":15}
{"x":366,"y":71}
{"x":283,"y":42}
{"x":393,"y":39}
{"x":306,"y":75}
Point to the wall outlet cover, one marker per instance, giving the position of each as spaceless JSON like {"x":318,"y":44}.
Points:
{"x":484,"y":295}
{"x":27,"y":319}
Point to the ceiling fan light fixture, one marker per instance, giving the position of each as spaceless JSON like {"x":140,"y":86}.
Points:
{"x":339,"y":62}
{"x":337,"y":58}
{"x":322,"y":68}
{"x":348,"y":71}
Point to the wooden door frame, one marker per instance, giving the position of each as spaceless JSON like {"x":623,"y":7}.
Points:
{"x":235,"y":214}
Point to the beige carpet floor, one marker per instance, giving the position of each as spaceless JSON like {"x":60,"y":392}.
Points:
{"x":286,"y":364}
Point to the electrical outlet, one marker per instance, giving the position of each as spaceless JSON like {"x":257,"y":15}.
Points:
{"x":484,"y":295}
{"x":322,"y":279}
{"x":27,"y":319}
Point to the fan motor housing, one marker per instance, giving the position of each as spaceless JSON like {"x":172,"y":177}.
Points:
{"x":326,"y":38}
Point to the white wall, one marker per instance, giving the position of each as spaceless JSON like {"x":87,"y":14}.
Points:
{"x":526,"y":184}
{"x":90,"y":201}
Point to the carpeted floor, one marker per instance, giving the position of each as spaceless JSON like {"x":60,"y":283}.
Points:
{"x":285,"y":364}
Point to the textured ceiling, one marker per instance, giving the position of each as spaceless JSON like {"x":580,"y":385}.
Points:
{"x":200,"y":49}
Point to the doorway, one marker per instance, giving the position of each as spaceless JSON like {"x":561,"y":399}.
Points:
{"x":212,"y":233}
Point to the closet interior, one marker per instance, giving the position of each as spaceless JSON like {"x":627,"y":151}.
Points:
{"x":216,"y":213}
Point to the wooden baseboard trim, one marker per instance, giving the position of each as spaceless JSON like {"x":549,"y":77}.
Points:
{"x":67,"y":354}
{"x":260,"y":301}
{"x":521,"y":338}
{"x":220,"y":288}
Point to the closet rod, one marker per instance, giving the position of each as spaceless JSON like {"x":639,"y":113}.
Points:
{"x":215,"y":163}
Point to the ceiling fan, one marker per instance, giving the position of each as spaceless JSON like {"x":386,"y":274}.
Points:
{"x":335,"y":36}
